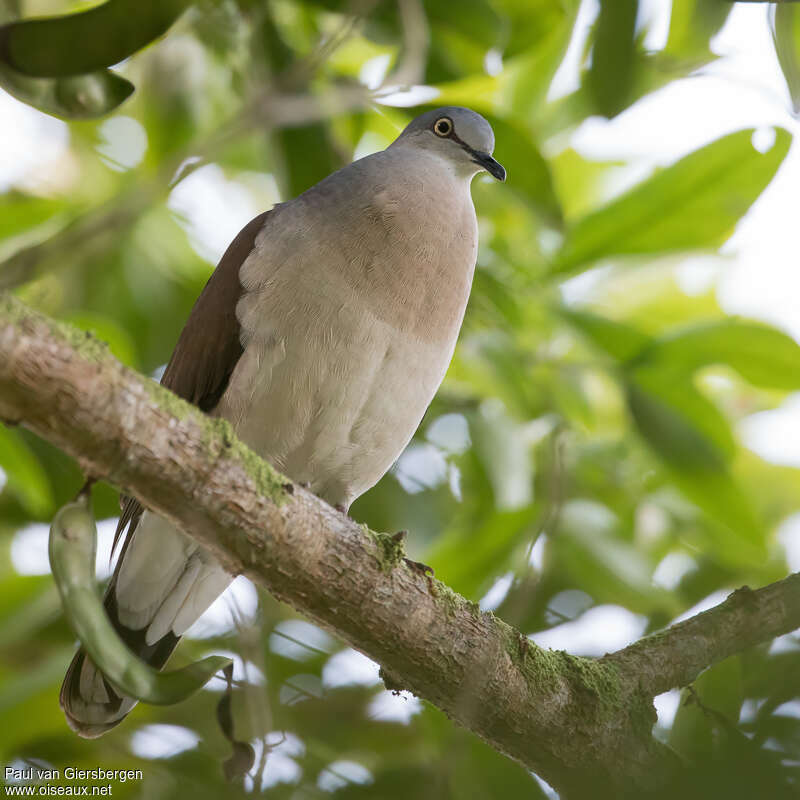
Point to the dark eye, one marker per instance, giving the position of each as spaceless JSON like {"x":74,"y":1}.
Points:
{"x":443,"y":126}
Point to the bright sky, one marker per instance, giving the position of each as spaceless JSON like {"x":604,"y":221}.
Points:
{"x":758,"y":274}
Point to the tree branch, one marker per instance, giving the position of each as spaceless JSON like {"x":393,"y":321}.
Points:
{"x":676,"y":656}
{"x":580,"y":723}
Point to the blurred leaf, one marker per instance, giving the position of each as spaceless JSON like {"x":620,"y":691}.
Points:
{"x":478,"y":771}
{"x":712,"y":707}
{"x":476,"y":91}
{"x":762,"y":355}
{"x":531,"y":23}
{"x":692,"y":23}
{"x":81,"y":97}
{"x":676,"y":422}
{"x":679,"y":208}
{"x":28,"y":605}
{"x":569,"y":398}
{"x":476,"y":19}
{"x":686,"y":430}
{"x":306,"y":157}
{"x":505,"y":452}
{"x":579,"y":182}
{"x":563,"y":464}
{"x":76,"y":44}
{"x":611,"y":75}
{"x":676,"y":390}
{"x":108,"y":330}
{"x":25,"y":476}
{"x":622,"y":342}
{"x":528,"y":171}
{"x":471,"y":553}
{"x":17,"y":692}
{"x":591,"y":551}
{"x":784,"y":22}
{"x":305,"y":154}
{"x":19,"y":212}
{"x":528,"y":76}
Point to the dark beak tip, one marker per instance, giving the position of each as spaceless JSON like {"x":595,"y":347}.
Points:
{"x":494,"y":168}
{"x":485,"y":161}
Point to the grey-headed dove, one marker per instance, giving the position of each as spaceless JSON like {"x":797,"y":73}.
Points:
{"x":322,"y":336}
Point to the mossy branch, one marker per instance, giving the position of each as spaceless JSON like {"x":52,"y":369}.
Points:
{"x":580,"y":723}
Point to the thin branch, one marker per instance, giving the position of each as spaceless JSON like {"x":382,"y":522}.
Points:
{"x":676,"y":656}
{"x":580,"y":723}
{"x":416,"y":42}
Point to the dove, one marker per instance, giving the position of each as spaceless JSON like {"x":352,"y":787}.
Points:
{"x":321,"y":336}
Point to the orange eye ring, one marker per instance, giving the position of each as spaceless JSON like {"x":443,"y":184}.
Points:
{"x":443,"y":127}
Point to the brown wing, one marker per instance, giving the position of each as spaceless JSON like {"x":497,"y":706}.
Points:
{"x":208,"y":347}
{"x":199,"y":371}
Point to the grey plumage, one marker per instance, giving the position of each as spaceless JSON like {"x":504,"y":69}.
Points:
{"x":322,"y":337}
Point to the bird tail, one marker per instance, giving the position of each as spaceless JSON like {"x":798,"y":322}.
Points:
{"x":91,"y":705}
{"x":162,"y":583}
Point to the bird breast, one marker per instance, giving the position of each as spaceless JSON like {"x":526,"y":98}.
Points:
{"x":350,"y":315}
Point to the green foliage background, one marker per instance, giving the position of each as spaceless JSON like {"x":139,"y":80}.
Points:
{"x":602,"y":435}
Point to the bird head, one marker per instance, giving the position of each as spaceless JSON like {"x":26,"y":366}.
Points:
{"x":458,"y":135}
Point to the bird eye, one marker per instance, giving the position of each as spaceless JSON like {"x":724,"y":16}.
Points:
{"x":443,"y":126}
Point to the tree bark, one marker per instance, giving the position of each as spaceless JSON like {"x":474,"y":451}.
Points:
{"x":580,"y":723}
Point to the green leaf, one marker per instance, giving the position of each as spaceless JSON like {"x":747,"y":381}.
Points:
{"x":38,"y":677}
{"x":693,"y":204}
{"x":686,"y":433}
{"x":505,"y":453}
{"x":679,"y":443}
{"x":476,"y":20}
{"x":466,"y":556}
{"x":611,"y":74}
{"x":620,"y":341}
{"x":529,"y":172}
{"x":692,"y":24}
{"x":80,"y":97}
{"x":784,"y":21}
{"x":305,"y":156}
{"x":478,"y":771}
{"x":20,"y":212}
{"x":76,"y":44}
{"x":28,"y":605}
{"x":531,"y":24}
{"x":710,"y":710}
{"x":676,"y":390}
{"x":72,"y":550}
{"x":532,"y":55}
{"x":108,"y":330}
{"x":594,"y":553}
{"x":762,"y":355}
{"x":26,"y":478}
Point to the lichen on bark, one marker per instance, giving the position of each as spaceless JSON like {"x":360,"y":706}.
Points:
{"x":571,"y":719}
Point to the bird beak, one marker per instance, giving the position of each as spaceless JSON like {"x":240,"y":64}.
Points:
{"x":493,"y":167}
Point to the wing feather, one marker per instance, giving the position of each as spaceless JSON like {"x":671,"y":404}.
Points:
{"x":207,"y":351}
